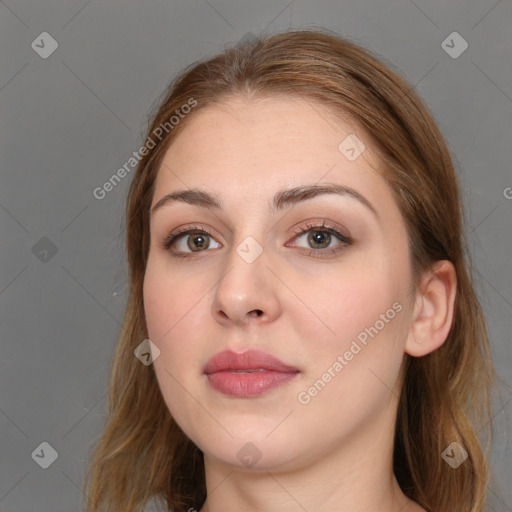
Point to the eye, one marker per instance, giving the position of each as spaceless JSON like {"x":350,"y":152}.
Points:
{"x":194,"y":239}
{"x":320,"y":238}
{"x":189,"y":240}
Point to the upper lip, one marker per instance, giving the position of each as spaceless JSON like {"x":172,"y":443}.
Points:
{"x":250,"y":360}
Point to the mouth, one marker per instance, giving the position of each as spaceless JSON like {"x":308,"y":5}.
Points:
{"x":249,"y":370}
{"x":248,"y":374}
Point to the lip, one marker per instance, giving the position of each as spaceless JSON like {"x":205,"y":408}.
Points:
{"x":247,"y":374}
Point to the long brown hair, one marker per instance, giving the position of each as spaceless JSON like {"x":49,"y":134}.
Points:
{"x":446,"y":396}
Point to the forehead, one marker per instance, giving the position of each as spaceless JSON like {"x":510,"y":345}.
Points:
{"x":272,"y":120}
{"x":252,"y":148}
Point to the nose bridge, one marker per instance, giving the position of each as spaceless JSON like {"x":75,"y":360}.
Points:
{"x":244,"y":287}
{"x":245,"y":265}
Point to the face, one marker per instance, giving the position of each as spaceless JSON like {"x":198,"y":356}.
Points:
{"x":281,"y":318}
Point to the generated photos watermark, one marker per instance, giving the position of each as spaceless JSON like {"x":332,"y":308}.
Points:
{"x":304,"y":397}
{"x":150,"y":142}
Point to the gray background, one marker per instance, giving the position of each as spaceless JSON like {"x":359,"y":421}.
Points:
{"x":69,"y":121}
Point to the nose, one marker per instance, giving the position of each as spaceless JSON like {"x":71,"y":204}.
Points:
{"x":246,"y":293}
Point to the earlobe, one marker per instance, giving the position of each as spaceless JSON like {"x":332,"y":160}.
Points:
{"x":433,"y":310}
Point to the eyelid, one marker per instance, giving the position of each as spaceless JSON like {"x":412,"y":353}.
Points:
{"x":331,"y":228}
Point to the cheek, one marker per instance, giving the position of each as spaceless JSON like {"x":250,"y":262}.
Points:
{"x":170,"y":298}
{"x":355,"y":368}
{"x":168,"y":307}
{"x":355,"y":299}
{"x":364,"y":323}
{"x":173,"y":311}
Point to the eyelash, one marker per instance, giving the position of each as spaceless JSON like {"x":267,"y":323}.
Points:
{"x":317,"y":253}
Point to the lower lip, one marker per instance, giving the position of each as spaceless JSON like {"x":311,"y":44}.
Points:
{"x":245,"y":385}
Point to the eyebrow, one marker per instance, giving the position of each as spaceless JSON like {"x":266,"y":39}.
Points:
{"x":284,"y":198}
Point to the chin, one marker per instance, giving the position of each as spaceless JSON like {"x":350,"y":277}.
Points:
{"x":254,"y":450}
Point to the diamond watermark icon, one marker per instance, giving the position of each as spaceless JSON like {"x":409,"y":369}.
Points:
{"x":44,"y":45}
{"x":44,"y":249}
{"x":147,"y":352}
{"x":454,"y":45}
{"x":351,"y":147}
{"x":249,"y":455}
{"x":249,"y":249}
{"x":45,"y":455}
{"x":454,"y":455}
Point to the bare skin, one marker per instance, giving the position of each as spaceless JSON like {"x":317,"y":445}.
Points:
{"x":327,"y":450}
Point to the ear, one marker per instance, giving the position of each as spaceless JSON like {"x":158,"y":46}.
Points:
{"x":433,"y":310}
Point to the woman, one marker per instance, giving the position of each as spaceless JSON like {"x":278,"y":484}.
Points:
{"x":296,"y":255}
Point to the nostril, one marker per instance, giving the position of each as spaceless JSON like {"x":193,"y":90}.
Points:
{"x":254,"y":312}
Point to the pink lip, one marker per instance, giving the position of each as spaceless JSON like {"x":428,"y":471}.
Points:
{"x":248,"y":374}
